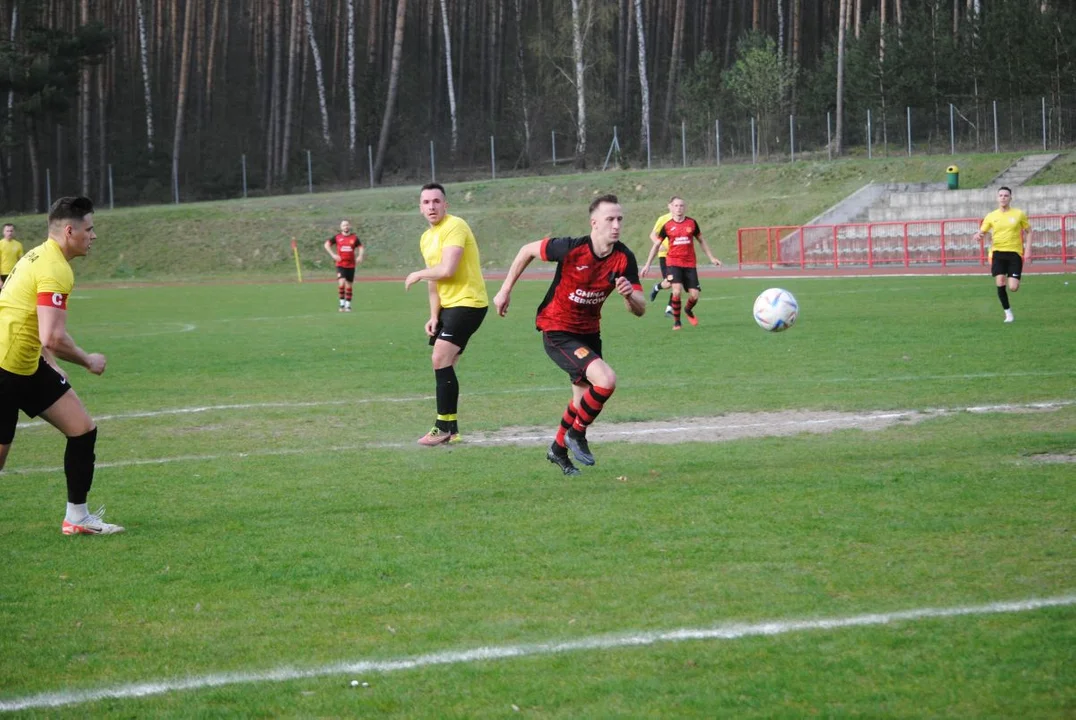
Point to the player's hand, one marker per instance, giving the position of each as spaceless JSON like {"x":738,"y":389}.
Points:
{"x":623,"y":286}
{"x":715,"y":261}
{"x":431,"y":327}
{"x":336,"y":258}
{"x":645,"y":272}
{"x":500,"y":301}
{"x":411,"y":280}
{"x":96,"y":363}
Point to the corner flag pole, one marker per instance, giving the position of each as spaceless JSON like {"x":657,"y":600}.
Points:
{"x":295,"y":251}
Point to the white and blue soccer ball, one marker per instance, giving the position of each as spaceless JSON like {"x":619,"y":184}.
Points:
{"x":776,"y":310}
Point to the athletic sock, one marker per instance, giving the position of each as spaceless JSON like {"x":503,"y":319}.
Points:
{"x":566,"y":422}
{"x":590,"y":406}
{"x":448,"y":394}
{"x":1003,"y":296}
{"x":675,"y":302}
{"x":691,"y":303}
{"x":78,"y":466}
{"x":447,"y":423}
{"x":76,"y":512}
{"x":340,"y":293}
{"x":347,"y":295}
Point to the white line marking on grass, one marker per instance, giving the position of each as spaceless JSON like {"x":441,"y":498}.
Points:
{"x":600,"y":433}
{"x":729,"y":631}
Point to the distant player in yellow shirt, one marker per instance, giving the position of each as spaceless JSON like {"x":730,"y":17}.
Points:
{"x":458,"y":302}
{"x":1009,"y":242}
{"x":10,"y":252}
{"x":33,"y":334}
{"x":663,"y":250}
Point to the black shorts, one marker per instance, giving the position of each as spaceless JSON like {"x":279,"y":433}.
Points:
{"x":688,"y":277}
{"x":572,"y":353}
{"x":1007,"y":263}
{"x":457,"y":324}
{"x":33,"y":394}
{"x":664,"y":268}
{"x":347,"y":274}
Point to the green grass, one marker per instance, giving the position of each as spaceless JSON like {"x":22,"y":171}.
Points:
{"x":305,"y":528}
{"x":251,"y":239}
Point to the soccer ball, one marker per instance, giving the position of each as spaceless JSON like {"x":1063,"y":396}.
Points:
{"x":776,"y":310}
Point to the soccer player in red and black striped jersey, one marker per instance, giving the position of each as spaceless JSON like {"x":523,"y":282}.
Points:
{"x":682,"y":232}
{"x":348,"y":253}
{"x":589,"y":270}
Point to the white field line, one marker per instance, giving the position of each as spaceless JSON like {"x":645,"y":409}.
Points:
{"x":730,"y":631}
{"x":602,"y":433}
{"x":136,"y":414}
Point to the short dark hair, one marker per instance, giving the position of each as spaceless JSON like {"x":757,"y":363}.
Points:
{"x":70,"y":208}
{"x":675,"y":197}
{"x":608,"y":198}
{"x":1005,"y":188}
{"x":434,"y":186}
{"x":10,"y":225}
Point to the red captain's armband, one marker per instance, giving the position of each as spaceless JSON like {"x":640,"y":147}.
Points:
{"x":53,"y":300}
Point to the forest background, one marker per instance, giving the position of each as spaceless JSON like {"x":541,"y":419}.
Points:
{"x":147,"y":101}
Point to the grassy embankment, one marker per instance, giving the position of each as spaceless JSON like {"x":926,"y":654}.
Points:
{"x":251,"y":238}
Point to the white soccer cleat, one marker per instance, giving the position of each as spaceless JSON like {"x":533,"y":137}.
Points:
{"x":1008,"y":316}
{"x":91,"y":525}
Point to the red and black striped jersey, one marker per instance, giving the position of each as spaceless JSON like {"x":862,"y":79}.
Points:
{"x":345,"y":248}
{"x":681,"y":235}
{"x":581,"y":283}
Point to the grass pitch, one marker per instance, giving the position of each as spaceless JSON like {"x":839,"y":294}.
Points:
{"x":259,"y":447}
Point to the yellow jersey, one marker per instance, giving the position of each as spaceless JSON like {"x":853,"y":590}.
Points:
{"x":1005,"y":229}
{"x":465,"y":288}
{"x":10,"y":252}
{"x":664,"y":249}
{"x":42,"y":277}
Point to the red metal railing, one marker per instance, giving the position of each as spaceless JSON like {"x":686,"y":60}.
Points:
{"x":882,"y":244}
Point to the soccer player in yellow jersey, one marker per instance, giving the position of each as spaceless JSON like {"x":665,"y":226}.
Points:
{"x":33,"y":334}
{"x":10,"y":252}
{"x":1010,"y":241}
{"x":458,"y":302}
{"x":663,"y":251}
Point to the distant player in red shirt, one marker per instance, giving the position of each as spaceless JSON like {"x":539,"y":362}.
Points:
{"x":682,"y":232}
{"x":347,"y":254}
{"x":589,"y":270}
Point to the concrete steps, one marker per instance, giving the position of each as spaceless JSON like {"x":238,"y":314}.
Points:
{"x":1022,"y":170}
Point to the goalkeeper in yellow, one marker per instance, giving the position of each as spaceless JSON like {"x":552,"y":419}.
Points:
{"x":33,"y":335}
{"x":1010,"y":242}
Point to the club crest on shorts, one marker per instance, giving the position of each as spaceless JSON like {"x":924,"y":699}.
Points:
{"x":581,"y":352}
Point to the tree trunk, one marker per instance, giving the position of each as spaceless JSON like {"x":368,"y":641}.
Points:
{"x":448,"y":74}
{"x":859,"y":15}
{"x":621,"y":59}
{"x":794,"y":56}
{"x":580,"y":88}
{"x":755,"y":15}
{"x":674,"y":67}
{"x":319,"y":74}
{"x":211,"y":62}
{"x":644,"y":85}
{"x":272,"y":159}
{"x":838,"y":139}
{"x":394,"y":83}
{"x":11,"y":93}
{"x":289,"y":100}
{"x":525,"y":155}
{"x":780,"y":27}
{"x":181,"y":94}
{"x":35,"y":167}
{"x":84,"y":110}
{"x":352,"y":115}
{"x":102,"y":150}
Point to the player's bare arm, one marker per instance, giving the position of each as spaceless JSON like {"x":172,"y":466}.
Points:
{"x":526,"y":254}
{"x":329,"y":249}
{"x":435,"y":307}
{"x":706,"y":249}
{"x":634,"y":299}
{"x":360,"y":255}
{"x":450,"y":260}
{"x":52,"y":331}
{"x":650,"y":256}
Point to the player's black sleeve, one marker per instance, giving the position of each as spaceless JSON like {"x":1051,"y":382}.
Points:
{"x":556,"y":249}
{"x":631,"y":271}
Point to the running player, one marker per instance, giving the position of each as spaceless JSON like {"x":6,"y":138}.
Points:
{"x":348,"y":253}
{"x":33,"y":334}
{"x":589,"y":270}
{"x":458,"y":302}
{"x":681,"y":232}
{"x":10,"y":252}
{"x":1010,"y":241}
{"x":665,"y":283}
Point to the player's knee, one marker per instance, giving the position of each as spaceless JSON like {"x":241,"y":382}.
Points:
{"x":600,"y":374}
